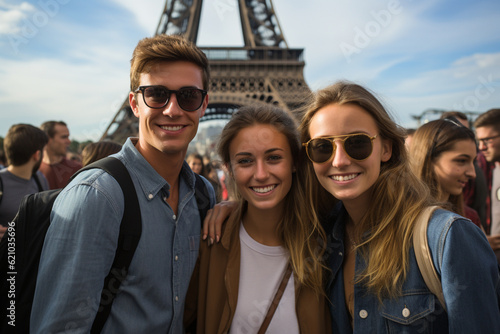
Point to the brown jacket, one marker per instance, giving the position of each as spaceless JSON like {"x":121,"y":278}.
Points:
{"x":213,"y":291}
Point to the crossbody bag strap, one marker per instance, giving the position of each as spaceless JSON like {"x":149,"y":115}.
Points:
{"x":276,"y":300}
{"x":423,"y":255}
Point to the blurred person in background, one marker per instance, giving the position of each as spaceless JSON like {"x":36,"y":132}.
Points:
{"x":475,"y":192}
{"x":98,"y":150}
{"x":443,"y":158}
{"x":196,"y":162}
{"x":55,"y":166}
{"x":488,"y":136}
{"x":23,"y":146}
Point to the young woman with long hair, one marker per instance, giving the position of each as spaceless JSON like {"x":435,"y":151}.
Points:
{"x":357,"y":153}
{"x":273,"y":227}
{"x":443,"y":158}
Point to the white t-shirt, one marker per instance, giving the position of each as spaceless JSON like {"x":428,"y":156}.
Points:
{"x":261,"y":271}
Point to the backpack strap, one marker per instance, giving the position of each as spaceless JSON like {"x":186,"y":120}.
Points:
{"x":423,"y":255}
{"x":130,"y":233}
{"x":37,"y":181}
{"x":202,"y":197}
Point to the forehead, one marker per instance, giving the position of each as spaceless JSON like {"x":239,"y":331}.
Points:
{"x":464,"y":146}
{"x":173,"y":75}
{"x":335,"y":119}
{"x":257,"y":139}
{"x":61,"y":129}
{"x":486,"y":131}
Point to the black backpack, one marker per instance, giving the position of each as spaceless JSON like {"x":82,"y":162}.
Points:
{"x":21,"y":247}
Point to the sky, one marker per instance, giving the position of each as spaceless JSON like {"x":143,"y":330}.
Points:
{"x":69,"y":60}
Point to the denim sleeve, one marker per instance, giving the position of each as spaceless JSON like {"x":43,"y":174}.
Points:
{"x":77,"y":254}
{"x":470,"y":279}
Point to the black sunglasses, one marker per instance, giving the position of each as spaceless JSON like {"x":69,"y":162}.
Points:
{"x":358,"y":146}
{"x":157,"y":97}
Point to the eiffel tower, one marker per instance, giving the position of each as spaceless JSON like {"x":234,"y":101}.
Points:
{"x":265,"y":70}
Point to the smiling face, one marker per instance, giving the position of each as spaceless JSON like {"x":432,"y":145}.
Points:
{"x":168,"y":130}
{"x":196,"y":165}
{"x":261,"y":164}
{"x":347,"y":179}
{"x":454,"y":168}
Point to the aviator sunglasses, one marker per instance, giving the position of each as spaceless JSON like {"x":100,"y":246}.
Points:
{"x":357,"y":146}
{"x":157,"y":97}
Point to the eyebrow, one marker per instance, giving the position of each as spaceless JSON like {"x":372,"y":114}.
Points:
{"x":467,"y":156}
{"x":266,"y":152}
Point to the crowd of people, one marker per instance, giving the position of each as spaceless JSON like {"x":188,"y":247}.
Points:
{"x":312,"y":222}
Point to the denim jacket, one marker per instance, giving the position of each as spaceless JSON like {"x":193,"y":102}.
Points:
{"x":469,"y":277}
{"x":81,"y":242}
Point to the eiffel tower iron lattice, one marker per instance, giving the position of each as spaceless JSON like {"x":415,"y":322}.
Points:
{"x":263,"y":71}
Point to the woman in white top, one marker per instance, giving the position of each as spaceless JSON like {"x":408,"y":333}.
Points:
{"x":273,"y":228}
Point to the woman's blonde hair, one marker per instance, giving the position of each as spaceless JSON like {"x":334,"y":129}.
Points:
{"x":430,"y":141}
{"x":299,"y":227}
{"x":397,"y":196}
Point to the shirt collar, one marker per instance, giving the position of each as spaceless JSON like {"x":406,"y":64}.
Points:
{"x":148,"y":179}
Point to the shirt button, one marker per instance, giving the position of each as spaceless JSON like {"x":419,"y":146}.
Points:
{"x":340,"y":253}
{"x":176,"y":258}
{"x":406,"y":312}
{"x":363,"y":314}
{"x":150,"y":196}
{"x":176,"y":298}
{"x":174,"y":217}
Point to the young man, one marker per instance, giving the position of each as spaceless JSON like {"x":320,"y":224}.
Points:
{"x":168,"y":78}
{"x":488,"y":135}
{"x":23,"y":147}
{"x":56,"y":168}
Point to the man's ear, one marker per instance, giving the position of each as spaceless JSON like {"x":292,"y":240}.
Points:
{"x":37,"y":155}
{"x":133,"y":103}
{"x":204,"y":106}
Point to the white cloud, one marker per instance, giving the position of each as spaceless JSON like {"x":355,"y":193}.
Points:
{"x":461,"y":74}
{"x":44,"y":89}
{"x":12,"y":15}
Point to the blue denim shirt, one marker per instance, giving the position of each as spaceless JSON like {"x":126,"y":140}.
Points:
{"x":80,"y":245}
{"x":469,"y":276}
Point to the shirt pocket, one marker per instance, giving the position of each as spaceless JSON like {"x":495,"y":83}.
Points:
{"x":409,"y":313}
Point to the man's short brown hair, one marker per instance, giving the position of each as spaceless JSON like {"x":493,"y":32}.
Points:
{"x":22,"y":141}
{"x":50,"y":127}
{"x":489,"y":118}
{"x":160,"y":48}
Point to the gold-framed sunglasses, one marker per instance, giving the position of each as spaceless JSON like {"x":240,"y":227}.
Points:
{"x":357,"y":146}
